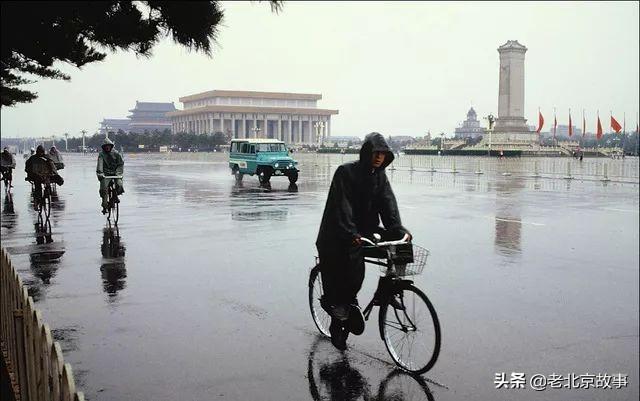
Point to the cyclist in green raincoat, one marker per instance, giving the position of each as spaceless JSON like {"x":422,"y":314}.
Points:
{"x":110,"y":163}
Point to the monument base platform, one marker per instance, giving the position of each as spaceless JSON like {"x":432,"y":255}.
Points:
{"x":512,"y":137}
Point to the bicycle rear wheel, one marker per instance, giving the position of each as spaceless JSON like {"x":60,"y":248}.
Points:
{"x":412,"y":335}
{"x":320,"y":317}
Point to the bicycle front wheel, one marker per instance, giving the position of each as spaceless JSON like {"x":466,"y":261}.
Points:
{"x":116,"y":212}
{"x":411,"y":333}
{"x":320,"y":317}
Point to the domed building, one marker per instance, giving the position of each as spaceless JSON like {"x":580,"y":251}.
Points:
{"x":470,"y":127}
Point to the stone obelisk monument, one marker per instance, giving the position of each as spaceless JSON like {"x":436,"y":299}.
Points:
{"x":511,"y":125}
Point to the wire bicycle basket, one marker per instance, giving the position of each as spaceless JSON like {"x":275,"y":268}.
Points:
{"x":408,"y":260}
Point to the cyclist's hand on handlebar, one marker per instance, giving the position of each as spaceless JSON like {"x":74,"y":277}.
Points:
{"x":100,"y":177}
{"x":357,"y":240}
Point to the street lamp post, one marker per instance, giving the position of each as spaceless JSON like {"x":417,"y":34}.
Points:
{"x":491,"y":120}
{"x":256,"y":131}
{"x":84,"y":149}
{"x":66,"y":141}
{"x":442,"y":143}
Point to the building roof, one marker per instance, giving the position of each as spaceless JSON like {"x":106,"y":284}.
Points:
{"x":116,"y":120}
{"x":153,"y":106}
{"x":512,"y":45}
{"x":249,"y":109}
{"x":471,"y":114}
{"x":250,"y":94}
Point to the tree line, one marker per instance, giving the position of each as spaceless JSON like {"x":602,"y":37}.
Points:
{"x":152,"y":141}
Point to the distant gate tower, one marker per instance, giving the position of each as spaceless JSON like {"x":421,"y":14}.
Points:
{"x":511,"y":124}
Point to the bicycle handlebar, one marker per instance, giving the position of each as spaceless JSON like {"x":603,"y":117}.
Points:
{"x":401,"y":241}
{"x":117,"y":177}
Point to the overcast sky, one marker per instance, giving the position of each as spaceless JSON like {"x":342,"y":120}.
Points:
{"x":396,"y":68}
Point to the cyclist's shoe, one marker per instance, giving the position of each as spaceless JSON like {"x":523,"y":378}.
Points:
{"x":395,"y":301}
{"x":340,"y":312}
{"x":104,"y":210}
{"x":355,"y":323}
{"x":338,"y":334}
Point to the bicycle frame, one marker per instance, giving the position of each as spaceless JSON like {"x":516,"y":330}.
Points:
{"x":388,"y":285}
{"x":112,"y":198}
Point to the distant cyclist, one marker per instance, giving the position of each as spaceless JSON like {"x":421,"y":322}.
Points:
{"x":39,"y":168}
{"x":7,"y":164}
{"x":359,"y":198}
{"x":56,"y":157}
{"x":110,"y":163}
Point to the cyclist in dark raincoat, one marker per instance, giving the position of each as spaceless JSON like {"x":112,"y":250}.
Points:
{"x":7,"y":164}
{"x":359,"y":199}
{"x":40,"y":168}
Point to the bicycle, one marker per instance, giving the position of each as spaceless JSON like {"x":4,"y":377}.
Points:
{"x":7,"y":178}
{"x":405,"y":311}
{"x":42,"y":199}
{"x":113,"y":202}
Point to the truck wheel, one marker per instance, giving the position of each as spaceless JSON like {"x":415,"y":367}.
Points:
{"x":293,"y":177}
{"x":264,"y":178}
{"x":264,"y":175}
{"x":236,"y":173}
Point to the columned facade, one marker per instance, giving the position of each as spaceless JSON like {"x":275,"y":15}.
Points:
{"x":290,"y":117}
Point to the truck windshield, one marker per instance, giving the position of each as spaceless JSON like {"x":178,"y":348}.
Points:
{"x":271,"y":147}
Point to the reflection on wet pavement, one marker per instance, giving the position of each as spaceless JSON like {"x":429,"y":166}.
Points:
{"x":213,"y":279}
{"x":508,"y":217}
{"x":113,"y":269}
{"x":332,"y":376}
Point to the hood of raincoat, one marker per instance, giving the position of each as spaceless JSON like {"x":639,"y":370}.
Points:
{"x":107,"y":141}
{"x":375,"y":142}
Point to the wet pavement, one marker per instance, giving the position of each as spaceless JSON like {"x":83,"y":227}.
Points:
{"x":201,"y":292}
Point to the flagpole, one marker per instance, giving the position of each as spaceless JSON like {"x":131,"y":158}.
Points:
{"x":624,"y":133}
{"x":597,"y":139}
{"x":584,"y":129}
{"x":570,"y":127}
{"x":637,"y":135}
{"x":555,"y":127}
{"x":539,"y":129}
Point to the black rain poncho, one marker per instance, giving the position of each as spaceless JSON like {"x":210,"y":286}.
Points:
{"x":359,"y":198}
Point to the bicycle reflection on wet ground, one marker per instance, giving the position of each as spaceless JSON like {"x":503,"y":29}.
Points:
{"x":332,"y":377}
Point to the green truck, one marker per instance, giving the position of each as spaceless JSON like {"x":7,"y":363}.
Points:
{"x":265,"y":158}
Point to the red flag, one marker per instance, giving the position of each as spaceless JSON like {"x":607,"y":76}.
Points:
{"x":599,"y":131}
{"x":615,"y":125}
{"x":584,"y":125}
{"x":570,"y":126}
{"x":540,"y":121}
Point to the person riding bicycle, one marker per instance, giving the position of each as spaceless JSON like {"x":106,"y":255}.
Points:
{"x":39,"y":167}
{"x":7,"y":164}
{"x":56,"y":157}
{"x":110,"y":163}
{"x":359,"y":198}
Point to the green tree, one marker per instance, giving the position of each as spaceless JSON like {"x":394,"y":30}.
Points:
{"x":36,"y":34}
